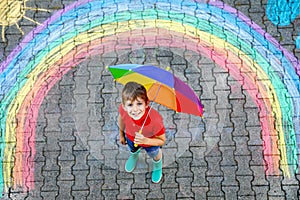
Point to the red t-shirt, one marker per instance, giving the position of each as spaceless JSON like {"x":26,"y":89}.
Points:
{"x":153,"y":127}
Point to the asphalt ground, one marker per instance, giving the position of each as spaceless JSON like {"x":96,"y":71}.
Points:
{"x":219,"y":156}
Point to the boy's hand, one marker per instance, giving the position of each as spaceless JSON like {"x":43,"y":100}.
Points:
{"x":122,"y":140}
{"x":140,"y":139}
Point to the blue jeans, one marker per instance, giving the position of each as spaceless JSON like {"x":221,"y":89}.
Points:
{"x":151,"y":151}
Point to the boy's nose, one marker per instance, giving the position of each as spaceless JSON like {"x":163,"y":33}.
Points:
{"x":134,"y":108}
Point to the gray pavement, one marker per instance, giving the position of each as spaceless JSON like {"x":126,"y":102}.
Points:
{"x":78,"y":155}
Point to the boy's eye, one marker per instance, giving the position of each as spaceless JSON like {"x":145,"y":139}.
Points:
{"x":140,"y":103}
{"x":129,"y":105}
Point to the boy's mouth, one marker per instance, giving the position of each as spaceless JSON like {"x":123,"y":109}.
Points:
{"x":136,"y":115}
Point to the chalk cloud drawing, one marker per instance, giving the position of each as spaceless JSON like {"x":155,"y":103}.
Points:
{"x":283,"y":12}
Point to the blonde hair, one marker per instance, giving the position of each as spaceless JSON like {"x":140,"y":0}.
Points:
{"x":132,"y":91}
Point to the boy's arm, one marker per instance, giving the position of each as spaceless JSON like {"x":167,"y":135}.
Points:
{"x":157,"y":141}
{"x":122,"y":130}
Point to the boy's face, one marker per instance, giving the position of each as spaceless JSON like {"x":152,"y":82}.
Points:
{"x":135,"y":109}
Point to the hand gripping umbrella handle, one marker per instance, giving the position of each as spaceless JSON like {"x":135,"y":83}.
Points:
{"x":140,"y":132}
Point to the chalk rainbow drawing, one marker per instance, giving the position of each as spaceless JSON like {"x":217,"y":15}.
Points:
{"x":268,"y":72}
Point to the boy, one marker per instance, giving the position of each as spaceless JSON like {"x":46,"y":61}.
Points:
{"x":134,"y":115}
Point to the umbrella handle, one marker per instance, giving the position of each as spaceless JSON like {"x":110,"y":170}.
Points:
{"x":140,"y":132}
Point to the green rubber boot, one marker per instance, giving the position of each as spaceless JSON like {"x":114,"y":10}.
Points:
{"x":132,"y":160}
{"x":157,"y":171}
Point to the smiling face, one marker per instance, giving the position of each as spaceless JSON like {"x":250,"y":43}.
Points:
{"x":135,"y":108}
{"x":135,"y":100}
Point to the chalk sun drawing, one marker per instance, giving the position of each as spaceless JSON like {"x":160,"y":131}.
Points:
{"x":12,"y":11}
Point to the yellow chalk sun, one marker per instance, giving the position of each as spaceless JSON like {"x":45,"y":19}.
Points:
{"x":12,"y":11}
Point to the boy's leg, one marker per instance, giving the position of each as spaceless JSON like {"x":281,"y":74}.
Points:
{"x":133,"y":158}
{"x":157,"y":168}
{"x":156,"y":154}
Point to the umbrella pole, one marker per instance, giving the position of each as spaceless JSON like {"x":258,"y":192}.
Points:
{"x":140,"y":131}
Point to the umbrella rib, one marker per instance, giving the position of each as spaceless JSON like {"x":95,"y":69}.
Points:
{"x":150,"y":107}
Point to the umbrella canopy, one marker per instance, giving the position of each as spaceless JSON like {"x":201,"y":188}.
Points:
{"x":161,"y":85}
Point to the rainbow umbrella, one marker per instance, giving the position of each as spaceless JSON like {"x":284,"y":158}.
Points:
{"x":161,"y":85}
